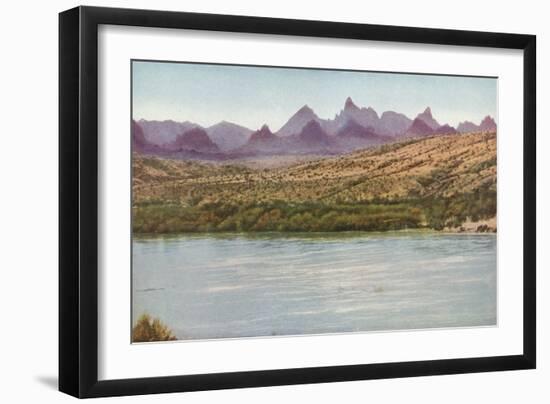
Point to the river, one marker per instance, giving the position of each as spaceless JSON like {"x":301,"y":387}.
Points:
{"x":234,"y":285}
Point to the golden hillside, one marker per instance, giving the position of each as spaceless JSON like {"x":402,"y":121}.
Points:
{"x":437,"y":166}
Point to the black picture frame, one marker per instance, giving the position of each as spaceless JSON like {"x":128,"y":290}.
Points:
{"x":78,"y":201}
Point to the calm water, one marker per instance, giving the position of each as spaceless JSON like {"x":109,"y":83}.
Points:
{"x":240,"y":286}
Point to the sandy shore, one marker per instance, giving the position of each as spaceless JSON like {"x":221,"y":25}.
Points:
{"x":481,"y":226}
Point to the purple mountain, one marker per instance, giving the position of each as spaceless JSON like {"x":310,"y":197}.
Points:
{"x":352,"y":128}
{"x":366,"y":117}
{"x":297,"y":122}
{"x":467,"y":127}
{"x":162,"y":132}
{"x":353,"y":136}
{"x":196,"y":140}
{"x":393,"y":123}
{"x":262,"y":135}
{"x":390,"y":123}
{"x":225,"y":134}
{"x":263,"y":141}
{"x":140,"y":144}
{"x":312,"y":139}
{"x":445,"y":130}
{"x":228,"y":135}
{"x":427,"y":117}
{"x":419,"y":128}
{"x":363,"y":116}
{"x":488,"y":124}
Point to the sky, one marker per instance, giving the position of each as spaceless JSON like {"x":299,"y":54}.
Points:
{"x":252,"y":96}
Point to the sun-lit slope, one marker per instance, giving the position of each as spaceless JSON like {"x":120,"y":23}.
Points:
{"x":432,"y":167}
{"x":437,"y":166}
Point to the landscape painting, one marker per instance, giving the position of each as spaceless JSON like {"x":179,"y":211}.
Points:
{"x":286,"y":201}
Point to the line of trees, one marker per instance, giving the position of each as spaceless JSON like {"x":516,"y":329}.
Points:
{"x":432,"y":212}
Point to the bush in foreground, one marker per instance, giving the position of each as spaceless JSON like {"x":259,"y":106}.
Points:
{"x":148,"y":329}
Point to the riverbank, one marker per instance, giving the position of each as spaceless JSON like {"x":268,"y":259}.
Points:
{"x":480,"y":226}
{"x":451,"y":214}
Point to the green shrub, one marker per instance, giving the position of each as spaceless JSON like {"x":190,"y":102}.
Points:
{"x":328,"y":215}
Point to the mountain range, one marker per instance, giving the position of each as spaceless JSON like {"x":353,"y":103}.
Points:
{"x":304,"y":133}
{"x":488,"y":124}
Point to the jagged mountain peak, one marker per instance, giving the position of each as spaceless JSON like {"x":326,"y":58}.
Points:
{"x":488,"y":124}
{"x":349,"y":104}
{"x":426,"y":114}
{"x":363,"y":116}
{"x":428,"y":119}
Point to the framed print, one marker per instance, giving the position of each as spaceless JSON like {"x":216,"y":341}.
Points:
{"x":251,"y":201}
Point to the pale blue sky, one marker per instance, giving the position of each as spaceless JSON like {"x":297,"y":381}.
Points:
{"x":251,"y":96}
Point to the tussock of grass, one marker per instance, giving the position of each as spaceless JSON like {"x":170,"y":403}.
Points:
{"x":148,"y":329}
